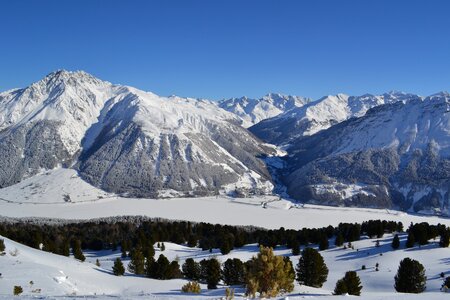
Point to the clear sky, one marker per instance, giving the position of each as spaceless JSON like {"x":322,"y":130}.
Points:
{"x":219,"y":49}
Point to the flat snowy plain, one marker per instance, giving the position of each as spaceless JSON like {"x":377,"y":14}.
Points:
{"x":58,"y":277}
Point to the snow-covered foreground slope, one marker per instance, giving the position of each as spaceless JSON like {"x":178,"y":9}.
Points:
{"x":54,"y":276}
{"x":44,"y":196}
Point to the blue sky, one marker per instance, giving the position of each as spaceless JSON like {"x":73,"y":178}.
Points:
{"x":220,"y":49}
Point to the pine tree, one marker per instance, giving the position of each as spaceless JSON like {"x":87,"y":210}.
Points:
{"x":162,"y":267}
{"x":163,"y":247}
{"x":340,"y":288}
{"x":150,"y":268}
{"x":269,"y":274}
{"x":339,"y":241}
{"x":149,"y":251}
{"x":191,"y":269}
{"x":118,"y":268}
{"x":350,"y":284}
{"x":410,"y":277}
{"x":77,"y":253}
{"x":295,"y":247}
{"x":211,"y":272}
{"x":233,"y":272}
{"x":311,"y":268}
{"x":65,"y":248}
{"x":444,"y":241}
{"x":411,"y":240}
{"x":323,"y":243}
{"x":2,"y":245}
{"x":137,"y":262}
{"x":174,"y":270}
{"x":395,"y":242}
{"x":225,"y":246}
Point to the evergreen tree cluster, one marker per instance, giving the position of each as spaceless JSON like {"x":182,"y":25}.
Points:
{"x":136,"y":232}
{"x":421,"y":233}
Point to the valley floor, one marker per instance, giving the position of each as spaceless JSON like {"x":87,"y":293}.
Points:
{"x":46,"y":195}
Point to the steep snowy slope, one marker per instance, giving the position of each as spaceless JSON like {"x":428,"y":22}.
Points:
{"x":125,"y":140}
{"x":396,"y":155}
{"x":321,"y":114}
{"x":153,"y":146}
{"x":252,"y":111}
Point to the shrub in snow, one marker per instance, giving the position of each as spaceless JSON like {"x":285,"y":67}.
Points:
{"x":410,"y":277}
{"x":2,"y":245}
{"x":191,"y":287}
{"x":17,"y":290}
{"x":229,"y":294}
{"x":446,"y":285}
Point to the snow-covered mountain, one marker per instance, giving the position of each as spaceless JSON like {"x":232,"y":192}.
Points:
{"x":125,"y":140}
{"x":252,"y":111}
{"x":320,"y":115}
{"x":397,"y":155}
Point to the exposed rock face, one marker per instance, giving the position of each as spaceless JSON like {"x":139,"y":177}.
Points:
{"x":125,"y":140}
{"x":397,"y":155}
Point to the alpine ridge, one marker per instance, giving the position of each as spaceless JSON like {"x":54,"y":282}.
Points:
{"x":127,"y":141}
{"x":396,"y":155}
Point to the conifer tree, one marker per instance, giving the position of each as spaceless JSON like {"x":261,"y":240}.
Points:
{"x":410,"y":277}
{"x":118,"y":268}
{"x":444,"y":241}
{"x":149,"y":251}
{"x":233,"y":272}
{"x":350,"y":284}
{"x":395,"y":242}
{"x":311,"y":268}
{"x":339,"y":241}
{"x":340,"y":288}
{"x":323,"y":243}
{"x":174,"y":270}
{"x":2,"y":245}
{"x":77,"y":252}
{"x":191,"y":269}
{"x":211,"y":272}
{"x":411,"y":240}
{"x":65,"y":248}
{"x":269,"y":274}
{"x":162,"y":267}
{"x":295,"y":247}
{"x":137,"y":262}
{"x":150,"y":268}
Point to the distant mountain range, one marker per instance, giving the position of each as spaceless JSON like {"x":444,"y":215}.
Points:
{"x":390,"y":150}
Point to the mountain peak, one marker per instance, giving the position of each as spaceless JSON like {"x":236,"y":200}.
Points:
{"x":69,"y":78}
